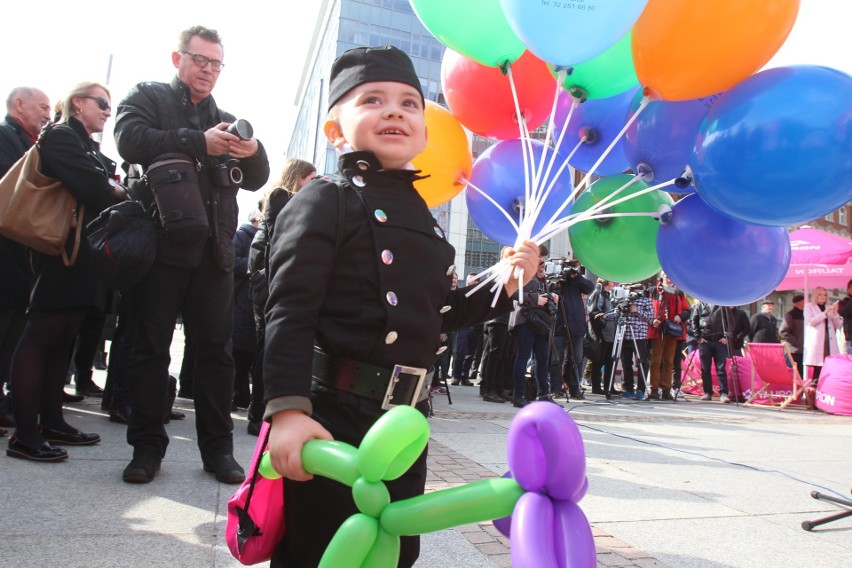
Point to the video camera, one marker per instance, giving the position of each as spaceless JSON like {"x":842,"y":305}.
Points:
{"x":624,"y":295}
{"x":560,"y":269}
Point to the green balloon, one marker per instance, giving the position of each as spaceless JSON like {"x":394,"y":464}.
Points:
{"x":475,"y":28}
{"x":621,"y":249}
{"x":393,"y":444}
{"x":606,"y":75}
{"x":332,"y":459}
{"x":385,"y":552}
{"x":352,"y":542}
{"x":328,"y":458}
{"x":473,"y":503}
{"x":370,"y":498}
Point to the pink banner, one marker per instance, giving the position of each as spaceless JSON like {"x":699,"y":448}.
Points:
{"x":692,"y":384}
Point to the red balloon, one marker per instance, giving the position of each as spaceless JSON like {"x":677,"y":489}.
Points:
{"x":481,"y":98}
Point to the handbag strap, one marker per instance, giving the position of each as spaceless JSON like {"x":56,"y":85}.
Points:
{"x":77,"y":227}
{"x":254,"y":471}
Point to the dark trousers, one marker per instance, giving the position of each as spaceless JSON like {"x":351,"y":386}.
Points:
{"x":204,"y":295}
{"x":602,"y":369}
{"x":530,"y":343}
{"x":557,"y":363}
{"x":308,"y":533}
{"x":467,"y":342}
{"x":628,"y":349}
{"x":121,"y":347}
{"x":713,"y":352}
{"x":257,"y":407}
{"x":496,"y":351}
{"x":12,"y":320}
{"x":572,"y":369}
{"x":243,"y":361}
{"x":86,"y":345}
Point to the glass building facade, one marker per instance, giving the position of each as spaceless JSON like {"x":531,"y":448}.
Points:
{"x":346,"y":24}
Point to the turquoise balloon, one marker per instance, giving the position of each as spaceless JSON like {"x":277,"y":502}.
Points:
{"x":393,"y":444}
{"x":604,"y":76}
{"x":568,"y":33}
{"x":475,"y":28}
{"x":621,"y":249}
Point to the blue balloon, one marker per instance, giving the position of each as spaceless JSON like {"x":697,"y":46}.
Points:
{"x":718,"y":259}
{"x":499,"y":172}
{"x":776,"y":149}
{"x":567,"y":33}
{"x":600,"y":120}
{"x":662,"y":137}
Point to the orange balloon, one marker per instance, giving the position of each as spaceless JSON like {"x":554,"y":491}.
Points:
{"x":446,"y":160}
{"x":687,"y":49}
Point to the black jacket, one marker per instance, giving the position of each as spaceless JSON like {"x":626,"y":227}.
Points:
{"x":14,"y":257}
{"x":764,"y":329}
{"x":382,"y":298}
{"x":70,"y":155}
{"x":159,"y":118}
{"x":793,"y":329}
{"x":244,"y":334}
{"x":707,"y":323}
{"x":572,"y":306}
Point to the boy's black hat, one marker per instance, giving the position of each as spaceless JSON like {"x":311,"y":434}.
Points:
{"x":368,"y":65}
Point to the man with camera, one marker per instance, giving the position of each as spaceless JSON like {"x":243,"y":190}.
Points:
{"x":568,"y":280}
{"x":634,"y":312}
{"x":174,"y":124}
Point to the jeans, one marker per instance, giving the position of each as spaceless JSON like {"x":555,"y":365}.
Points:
{"x":572,"y":369}
{"x":717,"y":353}
{"x":530,"y":343}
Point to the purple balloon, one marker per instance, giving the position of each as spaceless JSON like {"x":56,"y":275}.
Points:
{"x":574,"y":543}
{"x":601,"y":120}
{"x":718,"y":259}
{"x":499,"y":172}
{"x":662,"y":137}
{"x":550,"y":534}
{"x":545,"y":452}
{"x":504,"y":524}
{"x":531,"y":543}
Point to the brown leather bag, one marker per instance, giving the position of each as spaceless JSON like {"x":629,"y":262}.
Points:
{"x":38,"y":211}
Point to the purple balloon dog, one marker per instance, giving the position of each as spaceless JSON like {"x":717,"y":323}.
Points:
{"x":547,"y":459}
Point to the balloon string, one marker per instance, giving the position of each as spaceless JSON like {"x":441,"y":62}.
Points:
{"x":470,"y":185}
{"x":565,"y":164}
{"x":548,"y":232}
{"x":645,"y":100}
{"x":542,"y":196}
{"x":527,"y":158}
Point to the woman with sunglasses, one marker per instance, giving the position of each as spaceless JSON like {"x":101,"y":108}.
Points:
{"x":62,"y":296}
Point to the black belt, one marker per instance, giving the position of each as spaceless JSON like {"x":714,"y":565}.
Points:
{"x":401,"y":385}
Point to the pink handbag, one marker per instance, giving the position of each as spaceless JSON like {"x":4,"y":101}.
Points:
{"x":255,"y":523}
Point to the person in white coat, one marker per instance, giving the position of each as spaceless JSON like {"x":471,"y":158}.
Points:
{"x":821,"y":324}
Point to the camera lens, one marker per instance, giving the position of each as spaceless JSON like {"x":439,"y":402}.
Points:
{"x":236,"y":175}
{"x":242,"y":128}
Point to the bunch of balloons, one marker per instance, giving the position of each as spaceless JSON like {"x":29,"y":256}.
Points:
{"x":667,"y":91}
{"x":546,"y":480}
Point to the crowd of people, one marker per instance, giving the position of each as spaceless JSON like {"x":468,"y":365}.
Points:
{"x":630,"y":340}
{"x":327,"y":307}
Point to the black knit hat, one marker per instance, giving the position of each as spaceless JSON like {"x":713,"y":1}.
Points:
{"x":368,"y":65}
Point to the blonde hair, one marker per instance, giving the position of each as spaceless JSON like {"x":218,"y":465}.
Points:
{"x":83,"y":89}
{"x":294,"y":170}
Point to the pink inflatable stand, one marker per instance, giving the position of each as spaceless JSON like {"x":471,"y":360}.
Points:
{"x":692,"y":384}
{"x":834,"y":391}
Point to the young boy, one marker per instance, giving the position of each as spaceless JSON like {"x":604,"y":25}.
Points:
{"x":371,"y":294}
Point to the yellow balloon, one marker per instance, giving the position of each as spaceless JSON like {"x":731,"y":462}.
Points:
{"x":446,"y":160}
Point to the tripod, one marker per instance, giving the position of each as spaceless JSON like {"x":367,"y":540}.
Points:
{"x":620,"y":330}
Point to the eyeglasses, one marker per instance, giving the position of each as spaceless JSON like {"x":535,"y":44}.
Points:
{"x":103,"y":104}
{"x":202,"y":61}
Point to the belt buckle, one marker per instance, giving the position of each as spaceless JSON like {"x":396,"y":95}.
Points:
{"x":403,"y":375}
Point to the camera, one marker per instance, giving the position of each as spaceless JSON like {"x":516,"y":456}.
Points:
{"x":241,"y":128}
{"x":559,"y":270}
{"x":624,"y":295}
{"x":227,"y":173}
